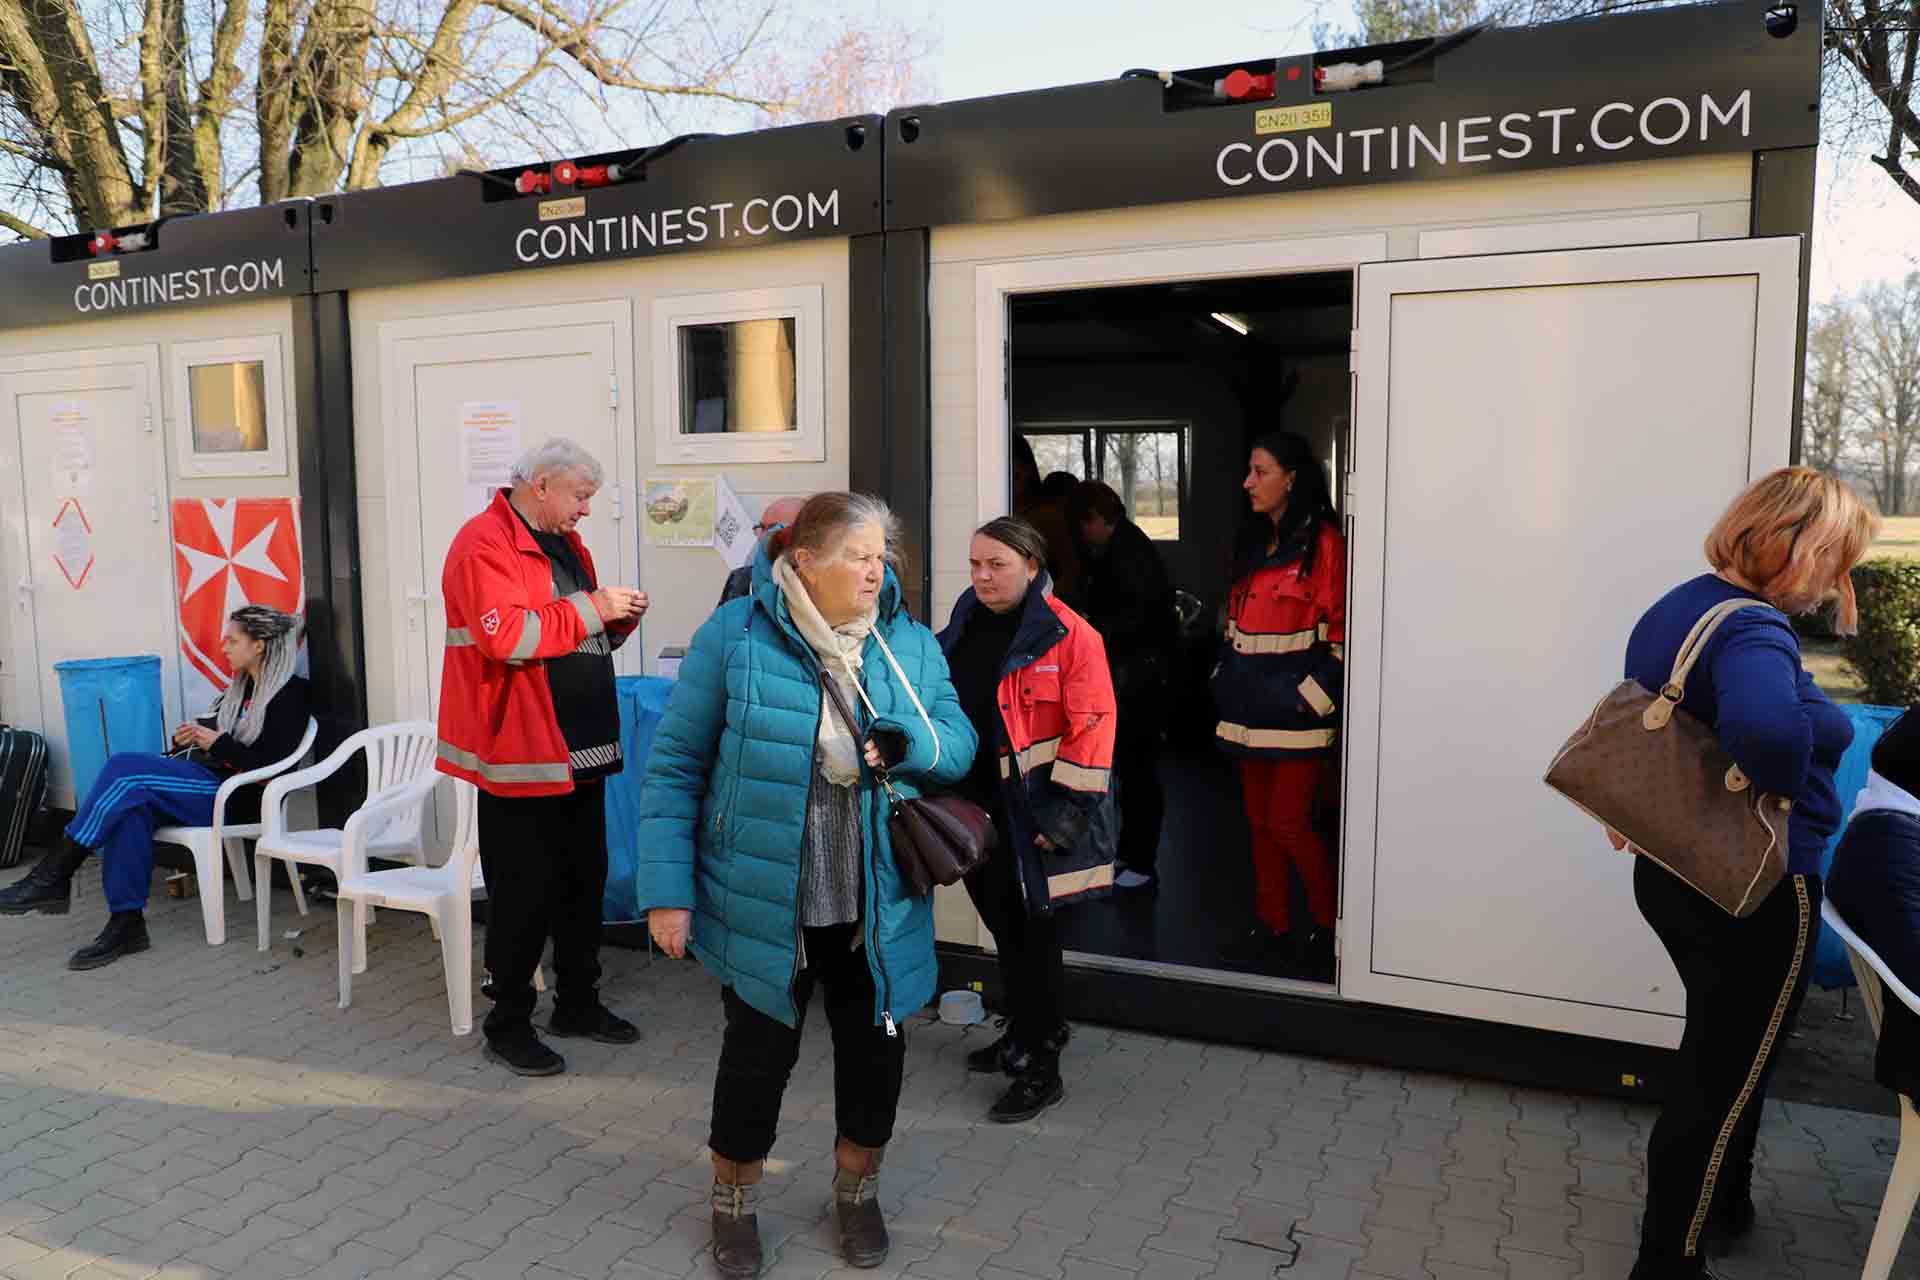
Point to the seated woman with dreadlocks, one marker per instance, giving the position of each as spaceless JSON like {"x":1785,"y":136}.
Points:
{"x":257,"y":720}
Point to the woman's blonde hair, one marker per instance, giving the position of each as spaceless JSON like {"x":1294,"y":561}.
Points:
{"x":1794,"y":537}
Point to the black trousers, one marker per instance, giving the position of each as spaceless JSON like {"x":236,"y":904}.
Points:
{"x":758,"y":1052}
{"x":545,"y":860}
{"x":1033,"y":970}
{"x":1745,"y":980}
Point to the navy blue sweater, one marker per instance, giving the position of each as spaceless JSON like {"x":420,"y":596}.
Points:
{"x":1763,"y":706}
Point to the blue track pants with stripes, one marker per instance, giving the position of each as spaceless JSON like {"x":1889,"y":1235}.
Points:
{"x":135,"y":794}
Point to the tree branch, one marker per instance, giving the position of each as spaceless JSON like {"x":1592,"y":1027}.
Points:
{"x":217,"y":96}
{"x":48,"y":70}
{"x":152,"y":104}
{"x":566,"y":37}
{"x":21,"y":228}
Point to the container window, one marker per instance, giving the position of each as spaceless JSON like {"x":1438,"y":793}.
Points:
{"x":1144,"y":468}
{"x":1053,"y":453}
{"x":1145,"y":463}
{"x":229,"y":406}
{"x":738,"y":376}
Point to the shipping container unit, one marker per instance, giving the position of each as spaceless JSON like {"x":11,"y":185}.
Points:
{"x":162,"y":456}
{"x":695,"y":314}
{"x":1536,"y":296}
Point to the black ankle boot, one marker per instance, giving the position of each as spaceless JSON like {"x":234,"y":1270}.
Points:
{"x":125,"y":935}
{"x":48,"y":888}
{"x":1313,"y":960}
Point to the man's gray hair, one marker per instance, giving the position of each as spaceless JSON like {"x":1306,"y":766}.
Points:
{"x":557,"y":454}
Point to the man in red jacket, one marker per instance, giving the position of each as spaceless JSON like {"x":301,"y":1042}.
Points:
{"x":528,"y":715}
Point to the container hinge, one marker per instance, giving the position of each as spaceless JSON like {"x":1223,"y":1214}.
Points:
{"x":153,"y":506}
{"x":146,"y":419}
{"x":613,"y":391}
{"x":1353,"y":352}
{"x":618,"y":497}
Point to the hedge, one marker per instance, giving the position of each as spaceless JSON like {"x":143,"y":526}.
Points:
{"x":1886,"y":653}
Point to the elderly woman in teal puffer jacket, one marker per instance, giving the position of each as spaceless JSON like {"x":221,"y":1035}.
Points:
{"x":764,"y":848}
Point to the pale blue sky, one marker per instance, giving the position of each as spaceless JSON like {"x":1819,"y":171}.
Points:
{"x":1864,"y":229}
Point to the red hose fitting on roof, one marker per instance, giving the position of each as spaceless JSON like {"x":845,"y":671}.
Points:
{"x":569,"y":174}
{"x":102,"y":242}
{"x":533,"y":182}
{"x":1241,"y":85}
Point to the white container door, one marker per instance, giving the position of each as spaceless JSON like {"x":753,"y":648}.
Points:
{"x":463,"y":396}
{"x":89,"y":532}
{"x":1542,"y":441}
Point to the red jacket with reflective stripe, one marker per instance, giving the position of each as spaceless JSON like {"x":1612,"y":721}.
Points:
{"x":1278,"y":687}
{"x":1059,"y":711}
{"x":497,"y":724}
{"x":1057,"y":723}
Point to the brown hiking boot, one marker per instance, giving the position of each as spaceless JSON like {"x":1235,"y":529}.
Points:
{"x":856,"y":1204}
{"x":736,"y":1231}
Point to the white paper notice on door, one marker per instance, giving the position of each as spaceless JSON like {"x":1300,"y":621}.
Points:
{"x":73,"y":449}
{"x":489,"y":444}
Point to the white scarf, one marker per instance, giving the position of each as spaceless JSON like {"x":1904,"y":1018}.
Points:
{"x":839,"y":649}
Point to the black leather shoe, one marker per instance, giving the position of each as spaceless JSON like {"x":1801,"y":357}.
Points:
{"x":1314,"y":961}
{"x":125,"y":935}
{"x":526,"y":1057}
{"x":1260,"y":949}
{"x":1031,"y":1093}
{"x":48,"y":888}
{"x":601,"y":1024}
{"x":1003,"y":1055}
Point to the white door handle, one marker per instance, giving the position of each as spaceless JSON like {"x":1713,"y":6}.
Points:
{"x":27,"y":587}
{"x":420,"y":597}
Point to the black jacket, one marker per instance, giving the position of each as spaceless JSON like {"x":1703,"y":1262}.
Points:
{"x":1875,"y":885}
{"x":1125,"y":594}
{"x":280,"y":733}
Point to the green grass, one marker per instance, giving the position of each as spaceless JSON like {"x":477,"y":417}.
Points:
{"x":1900,"y":538}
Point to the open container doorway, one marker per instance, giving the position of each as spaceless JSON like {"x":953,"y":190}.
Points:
{"x":1159,"y":391}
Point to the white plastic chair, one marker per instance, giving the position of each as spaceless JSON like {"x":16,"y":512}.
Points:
{"x":1903,"y":1188}
{"x":444,"y":894}
{"x":399,"y":757}
{"x":207,"y":843}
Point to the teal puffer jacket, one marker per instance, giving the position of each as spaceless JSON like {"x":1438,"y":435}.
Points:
{"x":725,"y":803}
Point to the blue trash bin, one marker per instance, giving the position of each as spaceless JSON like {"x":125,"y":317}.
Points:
{"x":643,"y":701}
{"x":112,"y":704}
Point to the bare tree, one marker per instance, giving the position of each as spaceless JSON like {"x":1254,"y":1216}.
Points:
{"x":115,"y":111}
{"x":1888,"y":355}
{"x":1876,"y":42}
{"x":1831,"y":410}
{"x":1871,"y":47}
{"x":874,"y":65}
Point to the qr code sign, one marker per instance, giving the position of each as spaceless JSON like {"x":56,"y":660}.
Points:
{"x":726,"y":528}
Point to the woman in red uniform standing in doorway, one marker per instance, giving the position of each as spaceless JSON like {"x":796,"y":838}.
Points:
{"x":1277,"y":694}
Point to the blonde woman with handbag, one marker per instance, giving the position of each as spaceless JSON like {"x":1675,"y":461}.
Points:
{"x":1789,"y":542}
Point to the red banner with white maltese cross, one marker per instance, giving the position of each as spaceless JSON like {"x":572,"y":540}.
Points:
{"x":228,"y":553}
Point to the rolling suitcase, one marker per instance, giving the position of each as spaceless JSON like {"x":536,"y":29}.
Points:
{"x":23,"y":788}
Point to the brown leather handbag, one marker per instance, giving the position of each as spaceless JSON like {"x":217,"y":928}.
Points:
{"x":938,"y":839}
{"x":1660,"y":778}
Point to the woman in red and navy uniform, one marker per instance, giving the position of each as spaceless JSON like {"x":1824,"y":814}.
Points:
{"x":1277,"y":691}
{"x":1032,"y":677}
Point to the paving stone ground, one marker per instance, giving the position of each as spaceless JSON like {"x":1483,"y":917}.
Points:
{"x":198,"y":1113}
